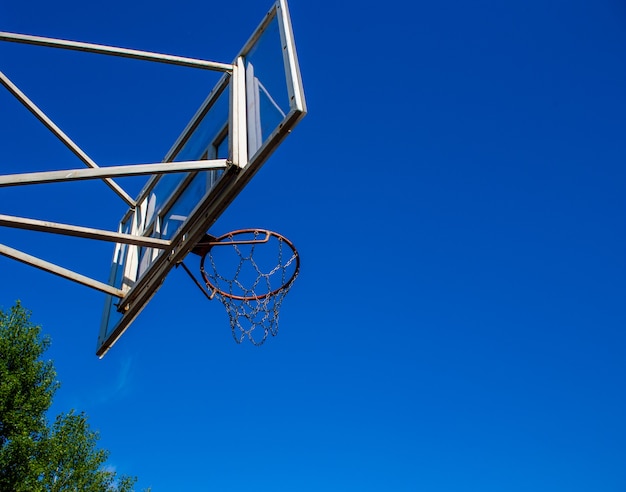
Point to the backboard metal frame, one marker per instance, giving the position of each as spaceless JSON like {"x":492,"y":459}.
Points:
{"x":143,"y":256}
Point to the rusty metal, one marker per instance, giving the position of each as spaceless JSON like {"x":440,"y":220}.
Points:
{"x":220,"y":241}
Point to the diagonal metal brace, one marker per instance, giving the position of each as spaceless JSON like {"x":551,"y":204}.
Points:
{"x":60,"y":271}
{"x":57,"y":132}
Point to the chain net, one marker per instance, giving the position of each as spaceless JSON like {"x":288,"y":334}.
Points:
{"x":250,"y":271}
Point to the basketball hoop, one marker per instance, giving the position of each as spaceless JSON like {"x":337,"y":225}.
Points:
{"x":250,"y":273}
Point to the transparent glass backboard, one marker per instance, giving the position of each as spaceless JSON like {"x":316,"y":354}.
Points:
{"x":181,"y":207}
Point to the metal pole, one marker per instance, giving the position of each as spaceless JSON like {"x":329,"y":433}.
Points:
{"x":110,"y":171}
{"x":115,"y":51}
{"x":60,"y":271}
{"x":47,"y":122}
{"x":84,"y":232}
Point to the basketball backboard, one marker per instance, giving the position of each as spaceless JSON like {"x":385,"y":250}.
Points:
{"x":242,"y":121}
{"x":254,"y":105}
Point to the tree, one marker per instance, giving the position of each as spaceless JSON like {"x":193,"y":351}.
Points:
{"x":34,"y":455}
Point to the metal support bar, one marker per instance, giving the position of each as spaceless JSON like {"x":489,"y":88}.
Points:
{"x":47,"y":122}
{"x":195,"y":281}
{"x":110,"y":171}
{"x":115,"y":51}
{"x":84,"y":232}
{"x":60,"y":271}
{"x":239,"y":141}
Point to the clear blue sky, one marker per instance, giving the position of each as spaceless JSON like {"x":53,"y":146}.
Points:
{"x":457,"y":195}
